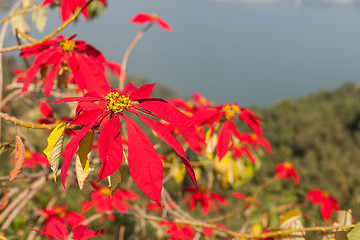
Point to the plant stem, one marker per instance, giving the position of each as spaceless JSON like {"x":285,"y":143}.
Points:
{"x":128,"y":52}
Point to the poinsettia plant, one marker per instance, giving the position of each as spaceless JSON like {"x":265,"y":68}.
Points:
{"x":129,"y":137}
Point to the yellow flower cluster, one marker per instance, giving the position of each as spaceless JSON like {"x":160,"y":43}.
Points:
{"x":117,"y":103}
{"x":231,"y":110}
{"x":67,"y":45}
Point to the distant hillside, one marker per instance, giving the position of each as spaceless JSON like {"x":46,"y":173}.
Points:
{"x":320,"y":134}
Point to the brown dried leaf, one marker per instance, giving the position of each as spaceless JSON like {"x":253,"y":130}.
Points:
{"x":4,"y":201}
{"x":19,"y":158}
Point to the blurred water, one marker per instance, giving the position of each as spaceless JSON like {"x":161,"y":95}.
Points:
{"x":251,"y":53}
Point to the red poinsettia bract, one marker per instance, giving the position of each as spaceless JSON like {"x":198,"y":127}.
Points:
{"x":205,"y":197}
{"x":58,"y":230}
{"x":33,"y":158}
{"x":106,"y":109}
{"x":103,"y":201}
{"x":68,"y":7}
{"x":249,"y":200}
{"x":286,"y":170}
{"x":327,"y":202}
{"x":85,"y":62}
{"x":213,"y":116}
{"x":142,"y":18}
{"x":60,"y":212}
{"x":178,"y":231}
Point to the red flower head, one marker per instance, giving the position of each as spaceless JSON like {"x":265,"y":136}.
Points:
{"x":86,"y":64}
{"x":68,"y":7}
{"x":107,"y":109}
{"x":142,"y":18}
{"x":250,"y":200}
{"x":286,"y":170}
{"x":33,"y":158}
{"x":224,"y":114}
{"x":326,"y":201}
{"x":255,"y":141}
{"x":58,"y":230}
{"x":59,"y":212}
{"x":205,"y":197}
{"x":103,"y":202}
{"x":178,"y":231}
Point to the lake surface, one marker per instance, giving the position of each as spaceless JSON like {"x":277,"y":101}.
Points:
{"x":251,"y":53}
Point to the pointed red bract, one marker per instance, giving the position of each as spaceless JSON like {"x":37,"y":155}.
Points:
{"x":68,"y":7}
{"x":110,"y":148}
{"x":67,"y":57}
{"x":103,"y":202}
{"x":143,"y":18}
{"x":327,"y":202}
{"x":286,"y":170}
{"x":147,"y":172}
{"x":105,"y":111}
{"x":205,"y":197}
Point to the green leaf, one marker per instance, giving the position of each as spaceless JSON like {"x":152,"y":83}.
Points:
{"x":39,"y":18}
{"x":54,"y":148}
{"x":354,"y":234}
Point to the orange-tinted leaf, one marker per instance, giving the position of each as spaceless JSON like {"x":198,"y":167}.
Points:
{"x":19,"y":158}
{"x":4,"y":201}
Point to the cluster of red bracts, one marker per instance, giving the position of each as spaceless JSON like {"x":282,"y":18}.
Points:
{"x":209,"y":119}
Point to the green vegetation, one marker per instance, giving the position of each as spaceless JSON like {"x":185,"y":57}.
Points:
{"x":320,"y":135}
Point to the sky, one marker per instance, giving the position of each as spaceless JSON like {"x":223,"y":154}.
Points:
{"x":244,"y":51}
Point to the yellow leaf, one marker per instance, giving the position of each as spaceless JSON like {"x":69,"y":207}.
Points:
{"x":18,"y":22}
{"x":54,"y":148}
{"x":291,"y":220}
{"x":85,"y":147}
{"x":179,"y":174}
{"x":84,"y":179}
{"x":256,"y":228}
{"x":39,"y":18}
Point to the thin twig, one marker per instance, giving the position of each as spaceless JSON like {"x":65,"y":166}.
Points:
{"x":2,"y":37}
{"x":128,"y":52}
{"x":17,"y":33}
{"x":212,"y":226}
{"x":19,"y":122}
{"x":34,"y":188}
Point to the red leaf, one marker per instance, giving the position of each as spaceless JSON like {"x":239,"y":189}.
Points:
{"x":141,"y":18}
{"x":30,"y":75}
{"x":92,"y":73}
{"x":223,"y":140}
{"x":167,"y":137}
{"x":170,"y":114}
{"x":50,"y":78}
{"x":86,"y":117}
{"x":163,"y":24}
{"x":145,"y":166}
{"x":76,"y":99}
{"x":142,"y":92}
{"x":45,"y":110}
{"x":110,"y":148}
{"x":71,"y":148}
